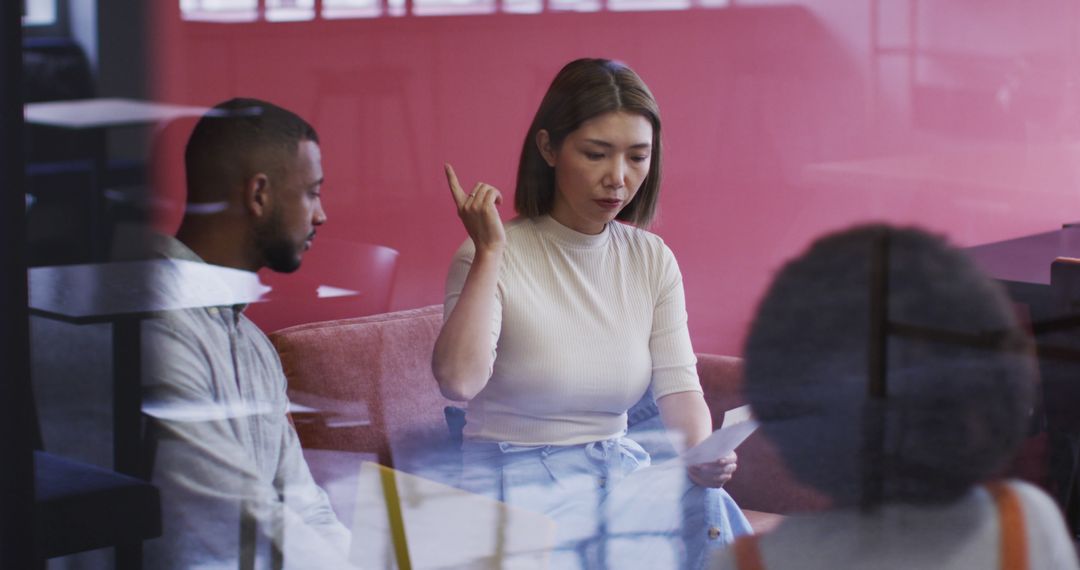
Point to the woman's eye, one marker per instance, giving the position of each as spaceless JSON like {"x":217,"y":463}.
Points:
{"x":594,"y":155}
{"x":639,"y":158}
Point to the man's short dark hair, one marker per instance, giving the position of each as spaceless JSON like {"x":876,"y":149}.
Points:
{"x":236,"y":139}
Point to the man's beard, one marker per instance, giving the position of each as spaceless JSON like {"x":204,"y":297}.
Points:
{"x":279,"y":253}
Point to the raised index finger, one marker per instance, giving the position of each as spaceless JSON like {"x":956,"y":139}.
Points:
{"x":455,"y":186}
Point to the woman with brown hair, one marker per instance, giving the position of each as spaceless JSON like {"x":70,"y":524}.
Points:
{"x":559,"y":321}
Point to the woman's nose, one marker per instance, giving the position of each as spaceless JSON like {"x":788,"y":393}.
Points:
{"x":616,"y":175}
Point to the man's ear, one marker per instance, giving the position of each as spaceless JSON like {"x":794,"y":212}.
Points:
{"x":257,"y":195}
{"x":543,"y":142}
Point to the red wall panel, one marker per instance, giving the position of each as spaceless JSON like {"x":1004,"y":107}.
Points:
{"x":775,"y":120}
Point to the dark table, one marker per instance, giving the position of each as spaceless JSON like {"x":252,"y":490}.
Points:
{"x":98,"y":116}
{"x":1022,"y":265}
{"x":1025,"y":259}
{"x":123,"y":294}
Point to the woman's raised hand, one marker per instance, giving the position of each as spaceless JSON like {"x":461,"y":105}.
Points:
{"x":478,"y":213}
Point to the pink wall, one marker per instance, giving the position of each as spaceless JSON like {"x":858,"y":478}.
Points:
{"x":780,"y":123}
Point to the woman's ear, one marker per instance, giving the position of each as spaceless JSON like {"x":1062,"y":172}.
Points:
{"x":543,"y":142}
{"x":257,"y":195}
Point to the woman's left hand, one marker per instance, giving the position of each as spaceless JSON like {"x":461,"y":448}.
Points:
{"x":715,"y":473}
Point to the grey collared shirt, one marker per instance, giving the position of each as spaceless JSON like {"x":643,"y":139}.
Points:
{"x":226,"y":453}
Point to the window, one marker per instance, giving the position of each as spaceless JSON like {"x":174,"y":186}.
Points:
{"x":220,"y":10}
{"x":645,"y":5}
{"x":39,"y":13}
{"x":304,"y":10}
{"x":445,"y":7}
{"x":340,"y":9}
{"x":523,"y":6}
{"x":575,"y":5}
{"x":290,"y":10}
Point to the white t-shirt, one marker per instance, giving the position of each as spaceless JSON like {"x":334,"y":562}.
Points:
{"x":964,"y":535}
{"x":584,"y":325}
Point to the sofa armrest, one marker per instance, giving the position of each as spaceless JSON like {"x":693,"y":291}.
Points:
{"x":721,"y":379}
{"x":762,"y":482}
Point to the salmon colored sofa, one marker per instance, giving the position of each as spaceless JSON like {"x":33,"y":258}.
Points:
{"x":371,"y":388}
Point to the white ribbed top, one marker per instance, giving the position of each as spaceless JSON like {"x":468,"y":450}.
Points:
{"x":584,"y":323}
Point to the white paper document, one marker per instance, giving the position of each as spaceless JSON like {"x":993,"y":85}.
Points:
{"x":739,"y":423}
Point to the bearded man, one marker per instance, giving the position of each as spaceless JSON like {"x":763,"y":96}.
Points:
{"x":235,"y":489}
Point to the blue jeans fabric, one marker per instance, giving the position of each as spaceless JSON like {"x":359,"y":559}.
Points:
{"x":613,"y":509}
{"x":721,"y":512}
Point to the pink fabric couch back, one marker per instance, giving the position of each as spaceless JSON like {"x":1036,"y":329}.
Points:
{"x":383,"y":360}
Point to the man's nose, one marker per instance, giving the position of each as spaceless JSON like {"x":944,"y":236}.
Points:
{"x":318,"y":217}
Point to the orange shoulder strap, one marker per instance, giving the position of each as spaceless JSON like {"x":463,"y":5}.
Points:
{"x":747,"y":553}
{"x":1014,"y":555}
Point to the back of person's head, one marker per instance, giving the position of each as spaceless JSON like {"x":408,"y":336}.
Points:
{"x":958,"y":371}
{"x":582,"y":90}
{"x":237,"y":139}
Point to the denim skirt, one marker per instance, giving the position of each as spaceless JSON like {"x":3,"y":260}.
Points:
{"x":611,"y":507}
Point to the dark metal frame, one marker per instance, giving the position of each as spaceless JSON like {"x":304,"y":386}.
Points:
{"x":16,"y":419}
